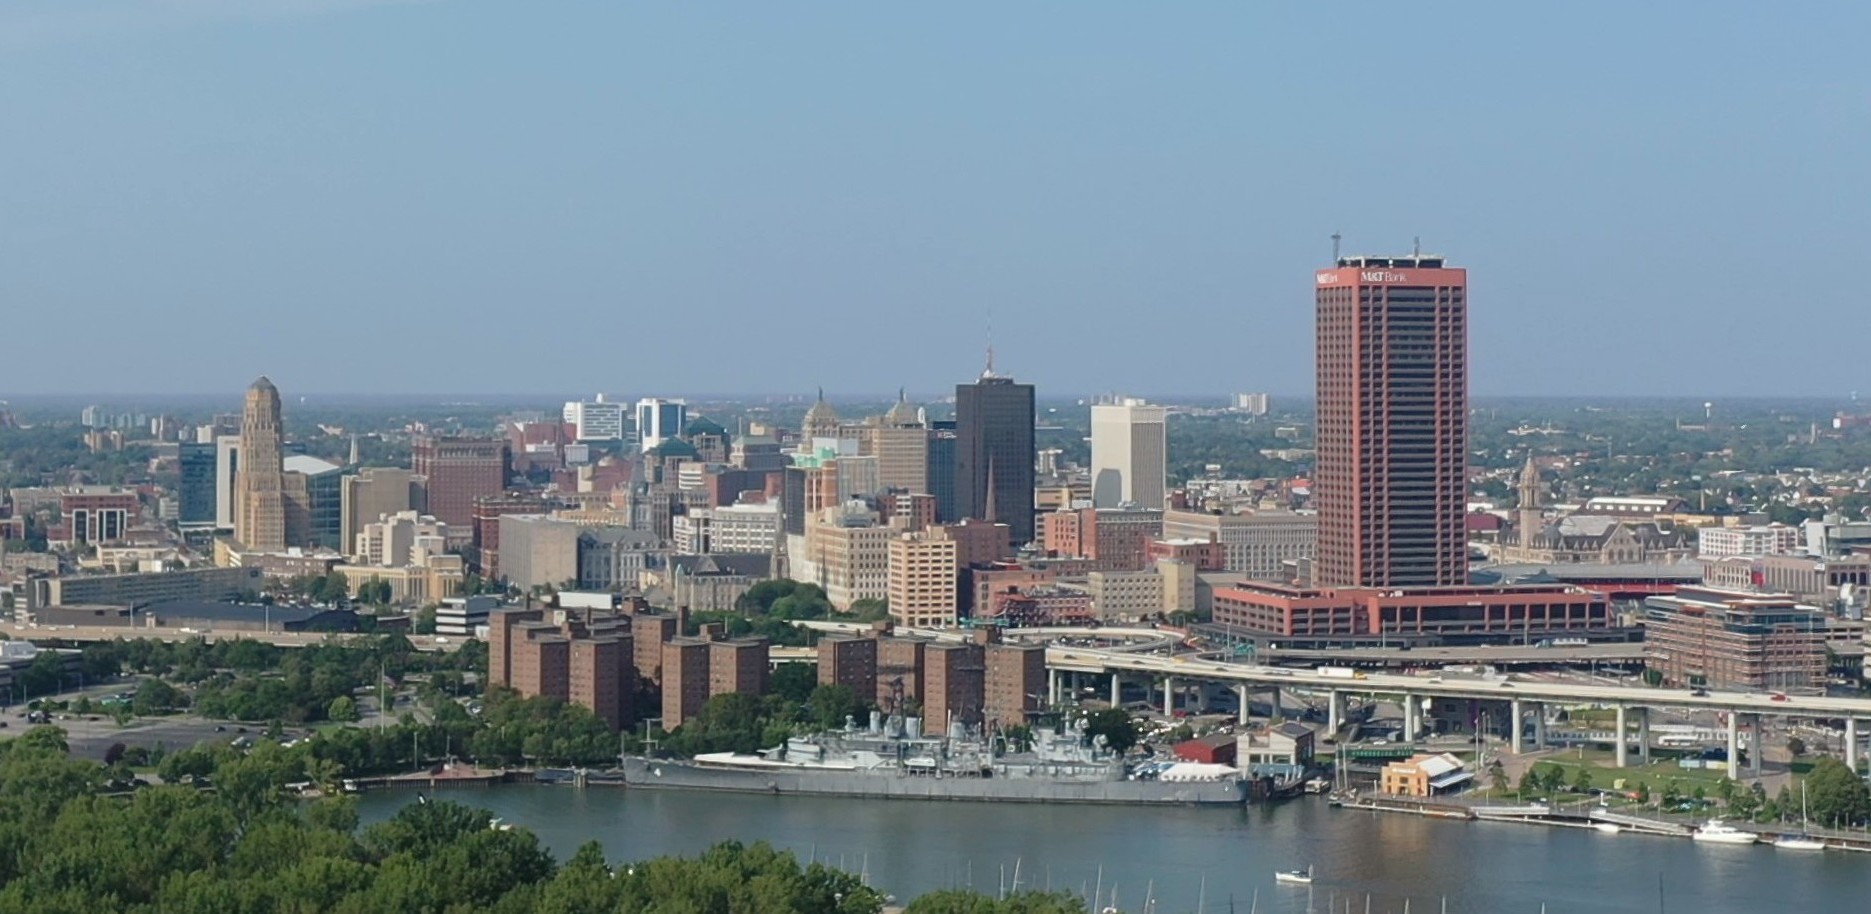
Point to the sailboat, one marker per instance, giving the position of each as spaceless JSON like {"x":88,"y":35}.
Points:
{"x":1294,"y":877}
{"x":1802,"y":841}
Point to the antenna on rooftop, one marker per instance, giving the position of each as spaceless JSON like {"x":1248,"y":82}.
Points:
{"x":1336,"y":238}
{"x":990,"y":346}
{"x":1416,"y":246}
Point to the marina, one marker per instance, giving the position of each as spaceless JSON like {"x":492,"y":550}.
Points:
{"x":1192,"y":856}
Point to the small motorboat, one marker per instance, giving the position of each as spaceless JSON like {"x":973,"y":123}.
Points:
{"x":1800,"y":842}
{"x":1294,"y":877}
{"x":1719,"y":832}
{"x":1606,"y":828}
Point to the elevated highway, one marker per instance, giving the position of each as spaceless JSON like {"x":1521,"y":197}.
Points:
{"x":42,"y":634}
{"x":1520,"y":694}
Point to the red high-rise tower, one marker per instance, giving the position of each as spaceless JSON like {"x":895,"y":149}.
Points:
{"x":1391,"y":479}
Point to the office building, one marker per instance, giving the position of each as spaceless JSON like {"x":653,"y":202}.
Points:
{"x":94,"y":514}
{"x":538,"y":551}
{"x":198,"y":485}
{"x":1304,"y":616}
{"x":739,"y":665}
{"x":1015,"y":683}
{"x":942,"y":458}
{"x":314,"y":502}
{"x":686,"y":680}
{"x":1391,"y":479}
{"x":923,"y":581}
{"x":1735,"y":641}
{"x":1114,"y":539}
{"x":1253,"y":404}
{"x":595,"y":420}
{"x":994,"y":455}
{"x":821,"y":420}
{"x":659,"y":420}
{"x":204,"y":584}
{"x":1129,"y":454}
{"x":393,"y":539}
{"x":1258,"y":545}
{"x":849,"y":661}
{"x":226,"y":481}
{"x":1762,"y":539}
{"x":457,"y":471}
{"x":736,"y":528}
{"x":852,"y":555}
{"x":370,"y":494}
{"x":260,"y":502}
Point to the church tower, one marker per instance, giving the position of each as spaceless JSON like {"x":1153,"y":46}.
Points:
{"x":1528,"y":525}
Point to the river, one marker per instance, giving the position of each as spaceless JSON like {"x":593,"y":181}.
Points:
{"x":1185,"y":855}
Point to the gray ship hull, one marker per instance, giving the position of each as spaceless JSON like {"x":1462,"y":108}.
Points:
{"x":682,"y":775}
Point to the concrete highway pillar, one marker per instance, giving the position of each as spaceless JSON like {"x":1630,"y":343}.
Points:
{"x":1117,"y":691}
{"x":1851,"y":743}
{"x":1409,"y":717}
{"x":1539,"y":726}
{"x":1734,"y":746}
{"x":1169,"y":695}
{"x":1334,"y":713}
{"x":1052,"y":687}
{"x":1240,"y":692}
{"x":1643,"y":736}
{"x":1513,"y":723}
{"x":1756,"y":745}
{"x":1621,"y":740}
{"x":1275,"y":713}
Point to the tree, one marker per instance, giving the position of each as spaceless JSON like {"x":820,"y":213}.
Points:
{"x":1835,"y":795}
{"x":1497,"y":776}
{"x":1115,"y":725}
{"x":1582,"y":782}
{"x":155,"y":696}
{"x":794,"y":681}
{"x":1653,"y":678}
{"x":342,"y":709}
{"x":1643,"y":792}
{"x":832,"y":704}
{"x":1796,"y":746}
{"x":1529,"y":782}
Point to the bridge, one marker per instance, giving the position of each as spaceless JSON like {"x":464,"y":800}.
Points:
{"x":79,"y":634}
{"x":1520,"y":695}
{"x":1508,"y":655}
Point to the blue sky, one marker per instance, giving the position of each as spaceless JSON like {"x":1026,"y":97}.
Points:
{"x":449,"y":196}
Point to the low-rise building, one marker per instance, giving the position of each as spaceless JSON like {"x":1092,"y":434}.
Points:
{"x":1424,"y":776}
{"x":1285,"y":743}
{"x":1735,"y":641}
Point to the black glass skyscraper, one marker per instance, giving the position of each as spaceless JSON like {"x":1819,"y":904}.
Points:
{"x":994,"y":452}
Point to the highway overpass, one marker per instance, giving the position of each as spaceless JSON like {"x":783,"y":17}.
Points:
{"x":1521,"y":695}
{"x":41,"y":634}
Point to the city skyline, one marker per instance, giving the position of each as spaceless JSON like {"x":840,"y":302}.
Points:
{"x":1073,"y":180}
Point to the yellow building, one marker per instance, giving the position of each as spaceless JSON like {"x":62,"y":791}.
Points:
{"x":923,"y":581}
{"x":1424,"y":776}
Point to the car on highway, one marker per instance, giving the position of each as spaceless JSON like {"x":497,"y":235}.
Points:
{"x":1699,"y":693}
{"x":1779,"y":696}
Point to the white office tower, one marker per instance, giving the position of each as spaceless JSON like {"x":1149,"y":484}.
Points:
{"x":1129,"y":454}
{"x":659,"y":420}
{"x":595,"y":420}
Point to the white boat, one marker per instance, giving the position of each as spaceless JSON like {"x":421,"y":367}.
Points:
{"x":1607,"y":828}
{"x":1802,"y":841}
{"x":1719,"y":832}
{"x":1799,"y":843}
{"x":1294,"y":877}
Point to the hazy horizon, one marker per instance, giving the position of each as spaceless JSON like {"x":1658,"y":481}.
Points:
{"x":362,"y":195}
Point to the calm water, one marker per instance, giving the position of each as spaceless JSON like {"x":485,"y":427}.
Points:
{"x":912,"y":847}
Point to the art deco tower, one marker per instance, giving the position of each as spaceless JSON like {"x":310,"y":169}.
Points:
{"x":1391,"y":481}
{"x":260,"y":519}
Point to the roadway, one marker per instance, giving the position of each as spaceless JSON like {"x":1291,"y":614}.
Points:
{"x":45,"y":633}
{"x":1499,"y":655}
{"x":1087,"y":660}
